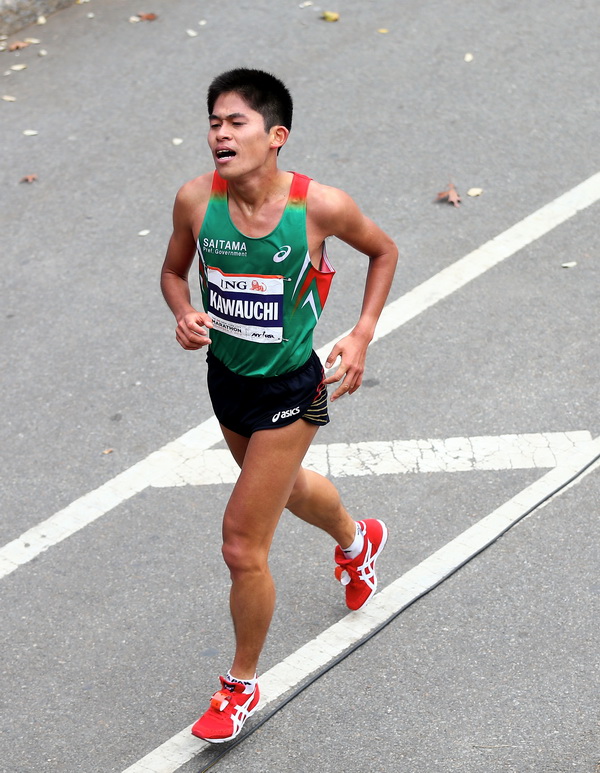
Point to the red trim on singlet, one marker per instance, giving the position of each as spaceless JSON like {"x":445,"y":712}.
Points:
{"x":219,"y":185}
{"x":298,"y":188}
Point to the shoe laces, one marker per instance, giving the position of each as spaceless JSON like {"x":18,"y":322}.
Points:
{"x":221,"y":699}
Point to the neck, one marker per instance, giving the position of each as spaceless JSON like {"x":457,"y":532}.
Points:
{"x":253,"y":192}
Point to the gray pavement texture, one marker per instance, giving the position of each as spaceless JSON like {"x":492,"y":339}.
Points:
{"x":17,"y":14}
{"x":111,"y":641}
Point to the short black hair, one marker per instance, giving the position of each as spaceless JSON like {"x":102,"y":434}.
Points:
{"x":262,"y":91}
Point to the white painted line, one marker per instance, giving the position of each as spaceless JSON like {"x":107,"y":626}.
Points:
{"x":97,"y":503}
{"x":392,"y":457}
{"x":190,"y":461}
{"x":91,"y":506}
{"x":331,"y":643}
{"x":487,"y":256}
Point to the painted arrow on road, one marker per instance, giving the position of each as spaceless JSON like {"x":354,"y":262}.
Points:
{"x":182,"y":467}
{"x":190,"y":460}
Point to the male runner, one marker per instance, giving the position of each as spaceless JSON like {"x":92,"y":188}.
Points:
{"x":264,"y":274}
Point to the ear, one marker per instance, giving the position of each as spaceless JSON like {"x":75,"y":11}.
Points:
{"x":278,"y":136}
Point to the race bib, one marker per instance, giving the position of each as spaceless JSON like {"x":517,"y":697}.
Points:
{"x":246,"y":306}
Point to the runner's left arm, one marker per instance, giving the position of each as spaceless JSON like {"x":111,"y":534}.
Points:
{"x":351,"y":225}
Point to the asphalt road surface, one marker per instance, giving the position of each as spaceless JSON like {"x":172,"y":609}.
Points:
{"x":480,"y":400}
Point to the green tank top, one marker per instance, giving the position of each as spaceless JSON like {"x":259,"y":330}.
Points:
{"x":263,"y":294}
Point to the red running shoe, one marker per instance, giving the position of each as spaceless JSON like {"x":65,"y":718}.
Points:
{"x":229,"y":708}
{"x":358,"y":574}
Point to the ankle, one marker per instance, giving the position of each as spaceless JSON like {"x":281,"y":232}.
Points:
{"x":355,"y":548}
{"x":249,"y":683}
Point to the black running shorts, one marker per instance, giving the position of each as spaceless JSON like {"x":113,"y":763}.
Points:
{"x":245,"y":404}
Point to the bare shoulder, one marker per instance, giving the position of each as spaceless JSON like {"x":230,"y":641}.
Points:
{"x":331,"y":210}
{"x":326,"y":201}
{"x":195,"y":191}
{"x":191,"y":201}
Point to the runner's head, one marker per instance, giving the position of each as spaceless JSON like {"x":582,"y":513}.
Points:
{"x":263,"y":92}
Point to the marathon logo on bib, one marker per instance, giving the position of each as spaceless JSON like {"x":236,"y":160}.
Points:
{"x":246,"y":306}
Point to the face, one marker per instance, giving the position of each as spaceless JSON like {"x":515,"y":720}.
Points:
{"x":237,"y":137}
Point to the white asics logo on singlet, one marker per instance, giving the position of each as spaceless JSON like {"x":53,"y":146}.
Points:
{"x":282,"y":254}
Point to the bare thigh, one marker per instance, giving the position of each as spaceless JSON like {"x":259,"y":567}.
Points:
{"x":270,"y":461}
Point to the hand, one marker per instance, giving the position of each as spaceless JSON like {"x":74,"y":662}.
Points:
{"x":192,"y":330}
{"x":352,"y":351}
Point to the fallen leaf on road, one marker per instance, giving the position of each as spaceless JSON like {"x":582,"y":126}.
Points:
{"x":18,"y":45}
{"x":108,"y":451}
{"x":383,"y":31}
{"x":147,"y":16}
{"x":451,"y":196}
{"x":29,"y":178}
{"x":330,"y":16}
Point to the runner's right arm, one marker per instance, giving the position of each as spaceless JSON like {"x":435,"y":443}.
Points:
{"x":191,"y":331}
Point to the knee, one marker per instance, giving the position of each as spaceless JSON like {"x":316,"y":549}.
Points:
{"x":298,"y":494}
{"x":242,"y":558}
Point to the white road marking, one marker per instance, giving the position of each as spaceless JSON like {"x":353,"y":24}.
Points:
{"x":487,"y":256}
{"x":93,"y":505}
{"x":190,"y":461}
{"x":331,"y":643}
{"x":393,"y":457}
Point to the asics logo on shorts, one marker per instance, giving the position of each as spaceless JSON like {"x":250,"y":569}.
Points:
{"x":285,"y":414}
